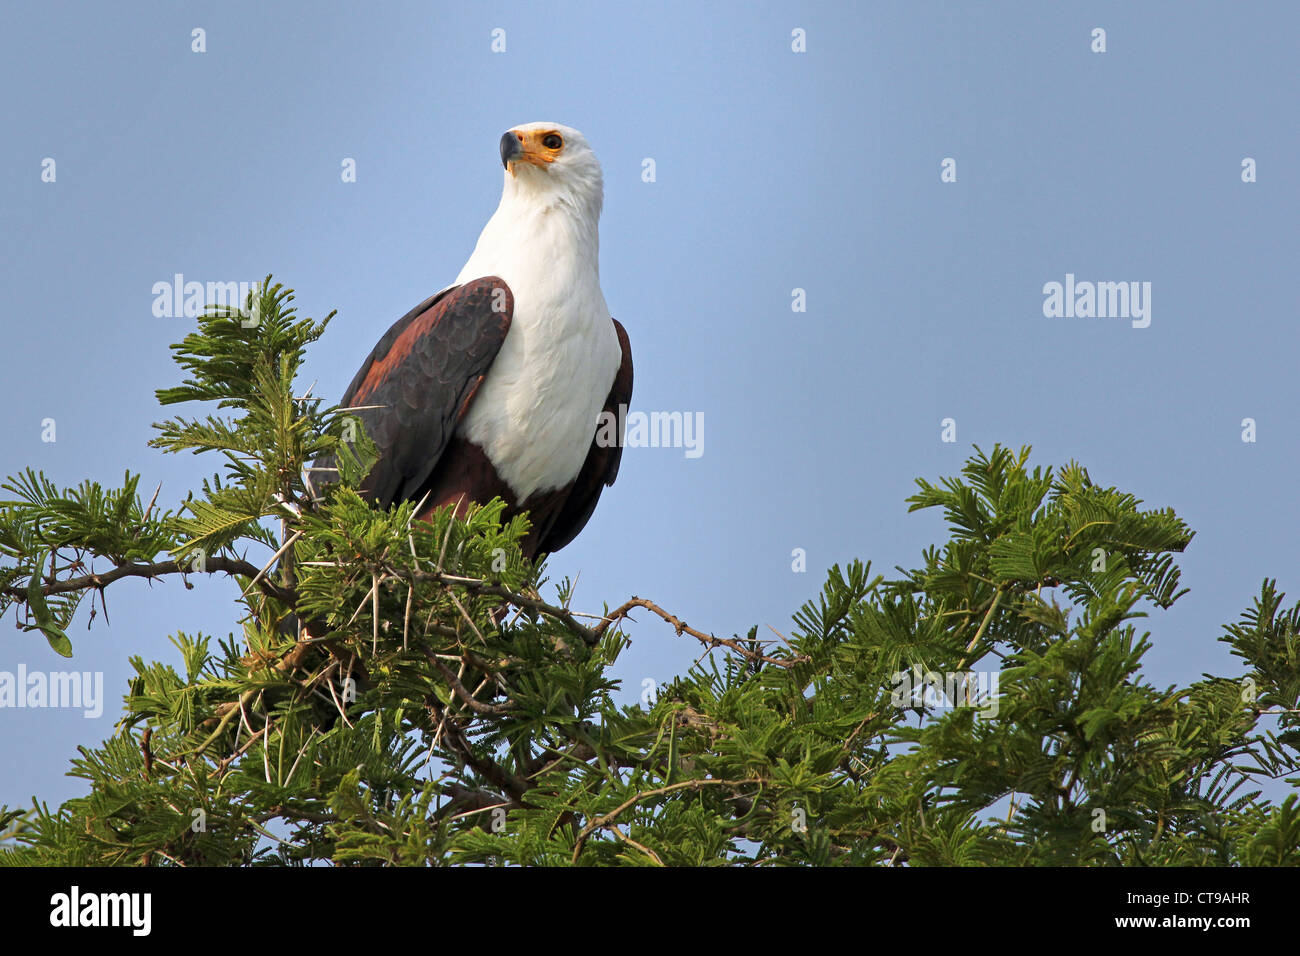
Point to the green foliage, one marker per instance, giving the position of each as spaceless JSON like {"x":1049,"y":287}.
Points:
{"x":45,"y":531}
{"x":400,"y":692}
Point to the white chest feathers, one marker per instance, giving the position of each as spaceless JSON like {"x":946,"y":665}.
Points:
{"x":536,"y":412}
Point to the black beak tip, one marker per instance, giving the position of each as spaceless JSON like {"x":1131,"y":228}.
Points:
{"x":511,"y":148}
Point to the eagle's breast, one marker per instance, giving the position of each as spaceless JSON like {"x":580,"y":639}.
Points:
{"x":536,"y":413}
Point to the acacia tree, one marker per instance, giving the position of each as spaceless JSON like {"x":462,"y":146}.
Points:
{"x":404,"y":692}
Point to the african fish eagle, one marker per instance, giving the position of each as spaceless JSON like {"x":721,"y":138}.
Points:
{"x":494,"y":387}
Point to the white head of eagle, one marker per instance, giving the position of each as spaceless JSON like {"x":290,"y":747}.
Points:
{"x":495,"y":386}
{"x":551,"y":164}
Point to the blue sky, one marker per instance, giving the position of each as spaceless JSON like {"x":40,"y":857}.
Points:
{"x":775,"y":170}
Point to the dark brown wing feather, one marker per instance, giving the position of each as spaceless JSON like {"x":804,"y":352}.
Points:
{"x":600,"y":468}
{"x":424,"y":373}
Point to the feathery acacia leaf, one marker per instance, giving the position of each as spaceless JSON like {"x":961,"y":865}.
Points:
{"x":403,"y":692}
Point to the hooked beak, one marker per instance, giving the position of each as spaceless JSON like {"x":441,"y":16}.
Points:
{"x":525,"y":147}
{"x":512,"y":148}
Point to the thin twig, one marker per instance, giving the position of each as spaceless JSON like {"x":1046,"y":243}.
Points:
{"x":275,"y":557}
{"x":144,"y":520}
{"x":469,"y":699}
{"x":709,"y":640}
{"x":601,"y":821}
{"x":988,"y":616}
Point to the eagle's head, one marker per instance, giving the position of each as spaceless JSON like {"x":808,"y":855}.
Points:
{"x":551,"y":162}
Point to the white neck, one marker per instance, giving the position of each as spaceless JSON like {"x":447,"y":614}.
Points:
{"x":537,"y":409}
{"x":538,"y":220}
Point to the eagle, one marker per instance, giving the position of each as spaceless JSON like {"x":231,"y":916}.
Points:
{"x":497,"y":385}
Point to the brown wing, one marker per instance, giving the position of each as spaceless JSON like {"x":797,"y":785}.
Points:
{"x":423,"y":375}
{"x":600,"y":468}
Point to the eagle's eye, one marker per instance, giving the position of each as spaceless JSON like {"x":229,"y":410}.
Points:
{"x":552,"y":141}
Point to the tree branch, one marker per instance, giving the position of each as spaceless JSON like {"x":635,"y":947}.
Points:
{"x":101,"y":580}
{"x":709,"y":640}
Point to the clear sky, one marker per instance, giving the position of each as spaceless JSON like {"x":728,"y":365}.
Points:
{"x":774,"y":170}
